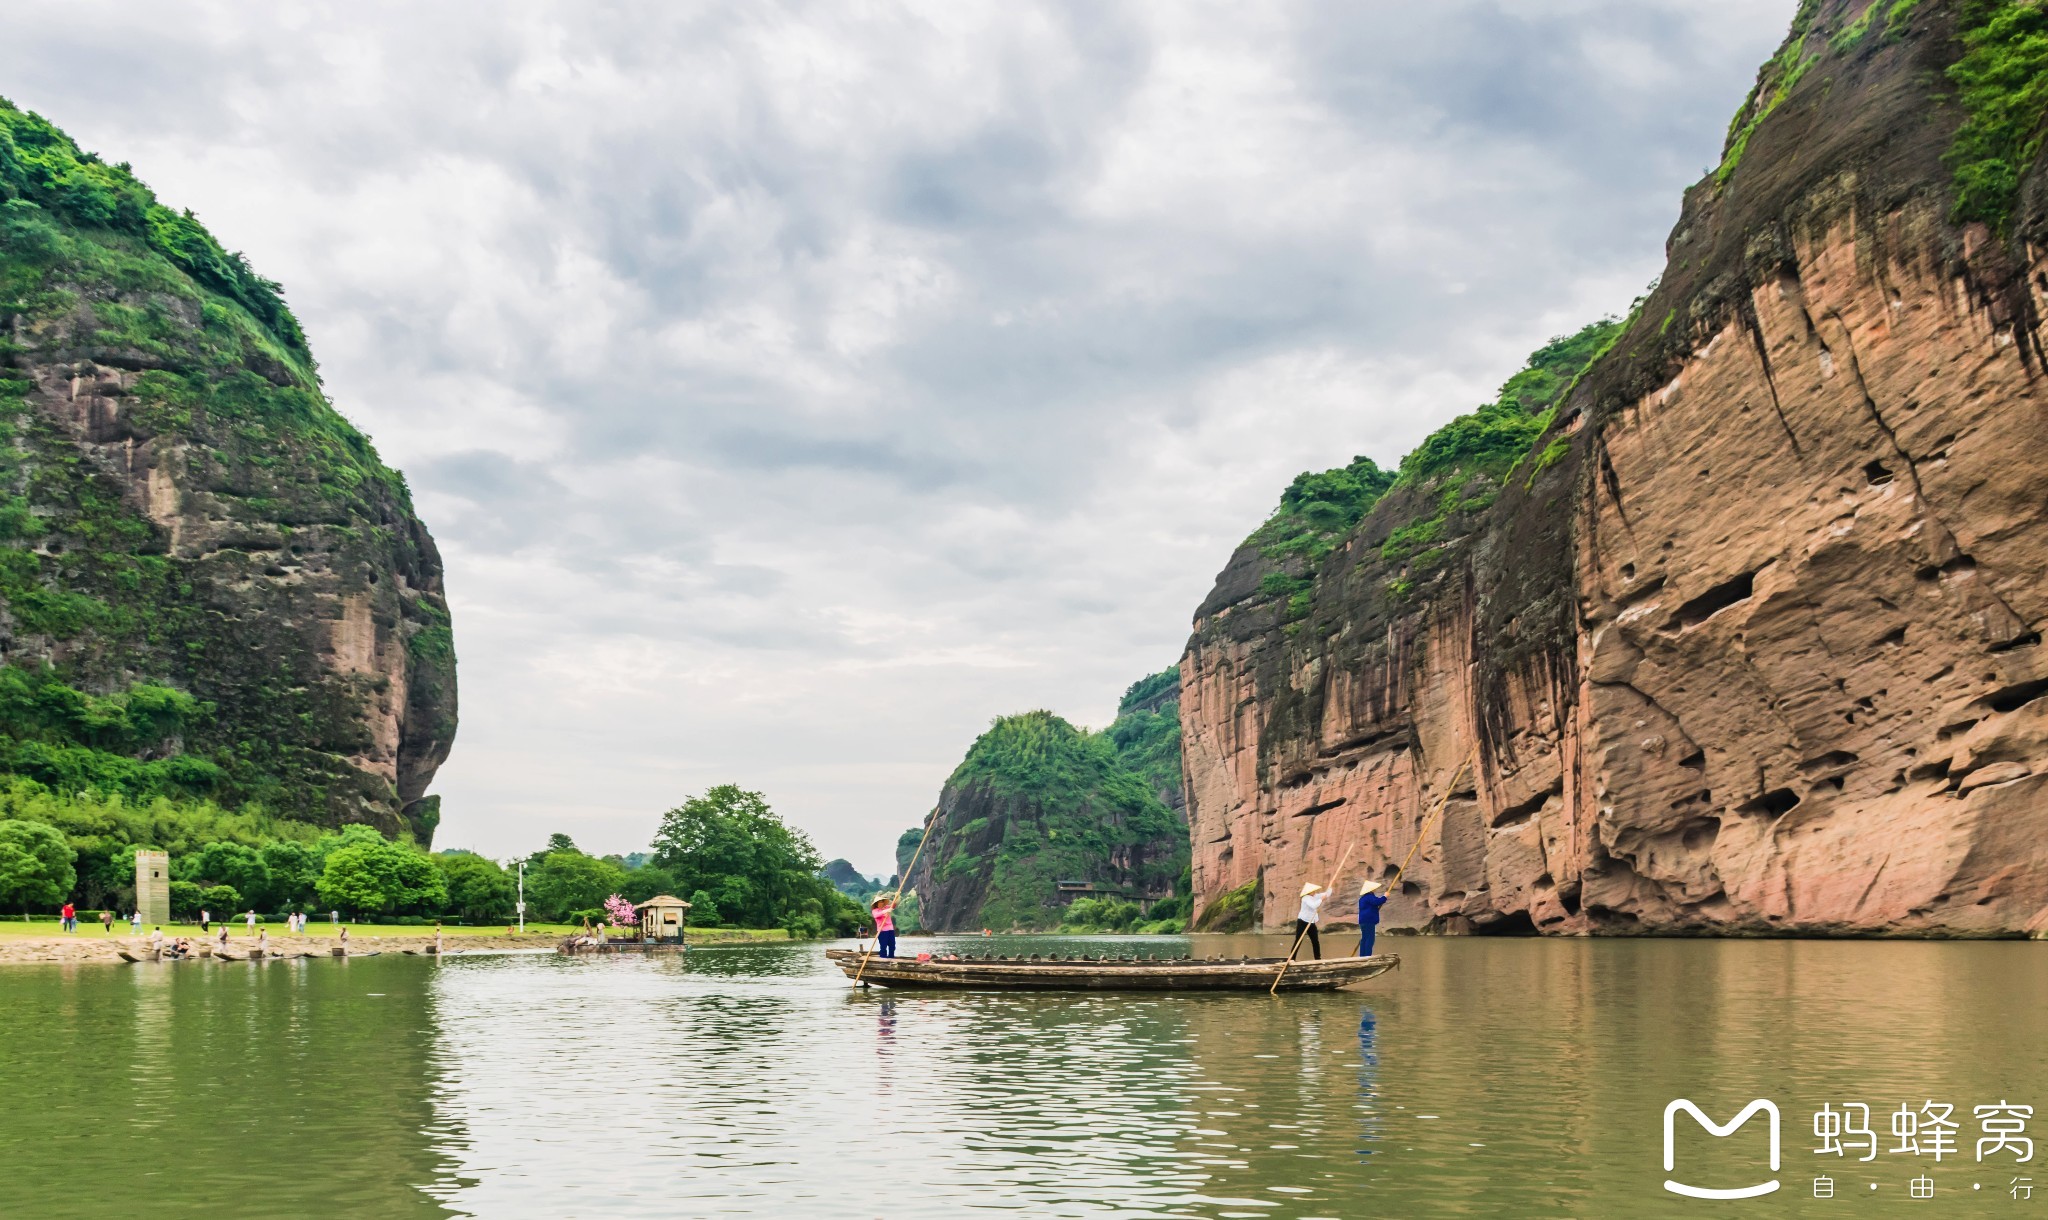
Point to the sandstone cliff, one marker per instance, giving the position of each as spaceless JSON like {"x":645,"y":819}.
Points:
{"x":1748,"y":640}
{"x":187,"y":524}
{"x":1037,"y":802}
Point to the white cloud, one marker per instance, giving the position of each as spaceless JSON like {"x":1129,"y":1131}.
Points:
{"x":794,"y":387}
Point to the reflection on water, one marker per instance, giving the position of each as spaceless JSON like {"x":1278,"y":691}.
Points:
{"x":1486,"y":1077}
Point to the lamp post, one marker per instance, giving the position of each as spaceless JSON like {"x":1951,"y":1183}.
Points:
{"x":522,"y":897}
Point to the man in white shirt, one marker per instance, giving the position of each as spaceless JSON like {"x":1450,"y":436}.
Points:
{"x":1305,"y":920}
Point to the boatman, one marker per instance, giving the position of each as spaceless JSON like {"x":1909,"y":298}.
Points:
{"x":884,"y":914}
{"x":1305,"y":920}
{"x":1369,"y":904}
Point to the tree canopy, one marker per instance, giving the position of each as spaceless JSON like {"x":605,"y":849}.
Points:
{"x":759,"y":872}
{"x":477,"y":888}
{"x":35,"y":865}
{"x":381,"y":878}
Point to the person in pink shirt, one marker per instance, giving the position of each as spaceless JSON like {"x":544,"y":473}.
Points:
{"x":884,"y":914}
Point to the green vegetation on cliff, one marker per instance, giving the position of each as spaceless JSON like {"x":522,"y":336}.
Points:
{"x":1496,"y":437}
{"x":1146,"y":733}
{"x":1774,"y":84}
{"x":1233,"y":910}
{"x":1317,"y":509}
{"x":1451,"y":477}
{"x":182,"y":514}
{"x":1036,"y":802}
{"x":41,"y":168}
{"x":1457,"y":472}
{"x":2000,"y":79}
{"x":2002,"y":82}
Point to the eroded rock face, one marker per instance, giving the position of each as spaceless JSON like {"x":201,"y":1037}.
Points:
{"x":1763,"y":654}
{"x":314,"y":638}
{"x":181,"y":507}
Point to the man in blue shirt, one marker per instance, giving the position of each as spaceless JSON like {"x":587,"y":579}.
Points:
{"x":1369,"y":904}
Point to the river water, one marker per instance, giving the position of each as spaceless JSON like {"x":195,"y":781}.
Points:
{"x":1486,"y":1077}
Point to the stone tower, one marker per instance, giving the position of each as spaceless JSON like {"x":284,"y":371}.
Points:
{"x":153,"y":887}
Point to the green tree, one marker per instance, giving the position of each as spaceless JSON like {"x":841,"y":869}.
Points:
{"x":565,"y":882}
{"x":760,"y":872}
{"x":228,"y":864}
{"x":187,"y":899}
{"x":221,"y":900}
{"x":703,"y":909}
{"x":380,"y":878}
{"x":477,"y":888}
{"x":293,"y":869}
{"x":36,"y":865}
{"x":647,"y":881}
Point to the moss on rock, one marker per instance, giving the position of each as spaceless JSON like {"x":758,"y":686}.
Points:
{"x":181,"y":508}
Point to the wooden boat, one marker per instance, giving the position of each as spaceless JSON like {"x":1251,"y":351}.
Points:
{"x":1038,"y":973}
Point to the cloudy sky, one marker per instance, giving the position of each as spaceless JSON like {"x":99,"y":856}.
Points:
{"x":794,"y":387}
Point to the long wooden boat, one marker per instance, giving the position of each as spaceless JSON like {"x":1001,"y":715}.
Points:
{"x":1039,"y":973}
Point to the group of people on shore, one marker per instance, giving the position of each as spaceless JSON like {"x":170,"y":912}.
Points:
{"x":294,"y":922}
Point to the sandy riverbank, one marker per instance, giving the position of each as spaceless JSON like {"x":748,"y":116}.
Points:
{"x":97,"y":946}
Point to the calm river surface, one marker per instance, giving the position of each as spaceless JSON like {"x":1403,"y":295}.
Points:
{"x":1486,"y":1077}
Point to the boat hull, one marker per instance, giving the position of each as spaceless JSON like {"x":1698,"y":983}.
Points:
{"x":1082,"y":974}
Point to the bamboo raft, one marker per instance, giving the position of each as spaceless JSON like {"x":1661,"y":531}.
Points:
{"x":1036,"y":973}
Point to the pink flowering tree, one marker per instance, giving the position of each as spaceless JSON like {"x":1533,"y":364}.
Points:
{"x":621,"y":912}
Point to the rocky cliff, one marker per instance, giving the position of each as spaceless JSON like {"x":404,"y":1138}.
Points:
{"x":1747,"y":639}
{"x":210,"y":586}
{"x":1037,"y":802}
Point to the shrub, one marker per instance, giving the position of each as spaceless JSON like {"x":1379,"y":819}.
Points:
{"x":1235,"y":910}
{"x":1100,"y":915}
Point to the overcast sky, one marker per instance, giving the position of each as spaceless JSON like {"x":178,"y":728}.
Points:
{"x":794,"y":388}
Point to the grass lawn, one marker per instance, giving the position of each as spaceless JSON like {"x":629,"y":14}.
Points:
{"x":89,"y":927}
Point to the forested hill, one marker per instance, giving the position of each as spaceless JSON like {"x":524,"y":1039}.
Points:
{"x":212,"y":591}
{"x":1039,"y":801}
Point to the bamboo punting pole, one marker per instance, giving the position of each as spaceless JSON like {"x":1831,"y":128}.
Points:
{"x":901,"y":882}
{"x":1421,"y":833}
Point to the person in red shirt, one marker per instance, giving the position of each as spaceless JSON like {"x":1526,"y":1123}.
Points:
{"x":70,"y":918}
